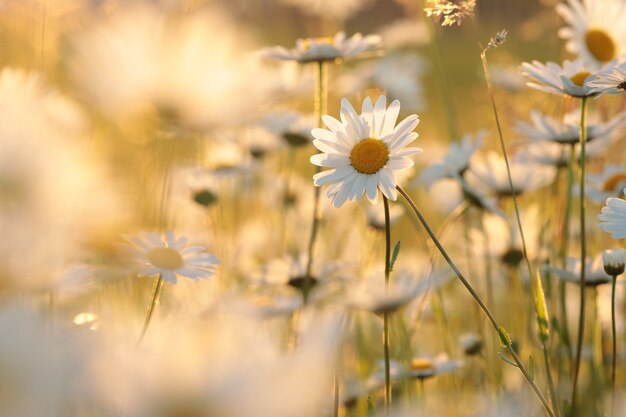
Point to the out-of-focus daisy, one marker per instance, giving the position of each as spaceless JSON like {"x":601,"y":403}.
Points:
{"x":292,"y":271}
{"x":594,"y":272}
{"x":405,"y":33}
{"x":375,"y":296}
{"x":456,"y":160}
{"x":398,"y":75}
{"x":364,"y":151}
{"x":595,"y":29}
{"x":572,"y":79}
{"x":610,"y":81}
{"x":376,"y":215}
{"x":336,"y":9}
{"x":170,"y":257}
{"x":546,"y":128}
{"x":292,"y":127}
{"x":501,"y":239}
{"x":144,"y":61}
{"x":471,"y":343}
{"x":490,"y":170}
{"x":608,"y":183}
{"x":325,"y":49}
{"x":555,"y":154}
{"x":428,"y":367}
{"x":613,"y":217}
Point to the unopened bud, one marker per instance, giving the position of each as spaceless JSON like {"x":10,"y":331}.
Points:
{"x":613,"y":260}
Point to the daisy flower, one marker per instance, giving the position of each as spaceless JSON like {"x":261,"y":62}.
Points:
{"x":491,"y":171}
{"x":376,"y":296}
{"x":569,"y":80}
{"x":595,"y":29}
{"x":364,"y":151}
{"x":613,"y":217}
{"x":594,"y":272}
{"x":610,"y":81}
{"x":546,"y":128}
{"x":613,"y":261}
{"x":324,"y":49}
{"x":608,"y":183}
{"x":455,"y":162}
{"x":170,"y":257}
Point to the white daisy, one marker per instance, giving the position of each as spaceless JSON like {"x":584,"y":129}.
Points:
{"x":546,"y":128}
{"x":613,"y":261}
{"x":608,"y":183}
{"x":324,"y":49}
{"x":364,"y":151}
{"x":375,"y":296}
{"x":170,"y":257}
{"x":400,"y":76}
{"x":427,"y":367}
{"x":292,"y":127}
{"x":610,"y":81}
{"x":490,"y":169}
{"x":595,"y":30}
{"x":455,"y":162}
{"x":594,"y":271}
{"x":613,"y":217}
{"x":571,"y":79}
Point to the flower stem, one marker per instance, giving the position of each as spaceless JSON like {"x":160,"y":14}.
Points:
{"x":583,"y":253}
{"x":156,"y":291}
{"x":321,"y":93}
{"x":614,"y":335}
{"x":483,"y":58}
{"x":564,"y":245}
{"x":506,"y":342}
{"x":386,"y":314}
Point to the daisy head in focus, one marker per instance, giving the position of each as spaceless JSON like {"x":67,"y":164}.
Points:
{"x":324,"y":49}
{"x":572,"y":79}
{"x":364,"y":151}
{"x":170,"y":257}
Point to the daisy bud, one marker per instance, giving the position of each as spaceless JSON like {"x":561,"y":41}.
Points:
{"x":613,"y":260}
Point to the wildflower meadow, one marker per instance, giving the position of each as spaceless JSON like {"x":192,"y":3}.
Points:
{"x":312,"y":208}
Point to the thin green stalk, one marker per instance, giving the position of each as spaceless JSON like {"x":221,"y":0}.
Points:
{"x":156,"y":290}
{"x":614,"y":336}
{"x":551,"y":386}
{"x":483,"y":58}
{"x":564,"y":246}
{"x":321,"y":99}
{"x":583,"y":253}
{"x":386,"y":314}
{"x":504,"y":338}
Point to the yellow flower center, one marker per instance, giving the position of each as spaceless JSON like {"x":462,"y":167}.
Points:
{"x":307,"y":43}
{"x":369,"y":156}
{"x":600,"y":44}
{"x":611,"y":183}
{"x":421,"y":364}
{"x":580,"y":77}
{"x":165,"y":258}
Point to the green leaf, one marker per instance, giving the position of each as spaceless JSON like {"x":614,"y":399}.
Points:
{"x":531,"y":367}
{"x":507,"y":360}
{"x":504,"y":337}
{"x":543,"y":320}
{"x":394,"y":256}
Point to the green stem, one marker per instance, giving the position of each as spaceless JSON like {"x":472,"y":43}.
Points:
{"x":156,"y":291}
{"x":564,"y":247}
{"x":583,"y":253}
{"x":483,"y":58}
{"x":614,"y":335}
{"x":551,"y":386}
{"x":321,"y":93}
{"x":500,"y":330}
{"x":386,"y":314}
